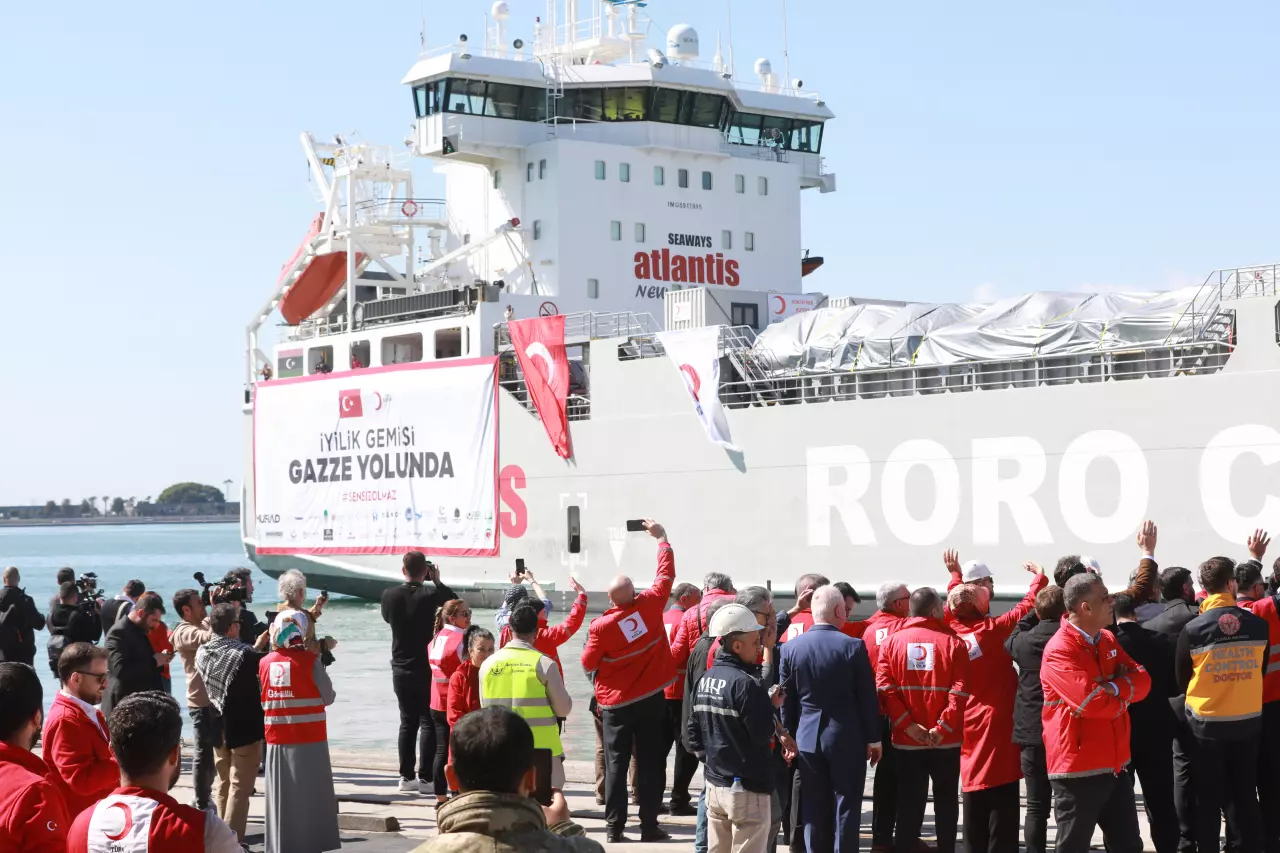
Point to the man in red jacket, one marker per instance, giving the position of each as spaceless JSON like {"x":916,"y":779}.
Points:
{"x":33,"y":816}
{"x":687,"y":597}
{"x":990,"y":762}
{"x":921,"y":680}
{"x":77,"y":746}
{"x":1089,"y":682}
{"x":146,"y":735}
{"x":627,"y":650}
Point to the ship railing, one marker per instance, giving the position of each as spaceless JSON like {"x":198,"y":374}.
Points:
{"x":1229,"y":283}
{"x":1205,"y":357}
{"x":592,"y":325}
{"x":577,"y":405}
{"x":401,"y":210}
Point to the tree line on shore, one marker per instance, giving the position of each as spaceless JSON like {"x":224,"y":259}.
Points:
{"x":178,"y":499}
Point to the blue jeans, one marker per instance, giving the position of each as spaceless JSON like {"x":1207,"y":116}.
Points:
{"x":700,"y":832}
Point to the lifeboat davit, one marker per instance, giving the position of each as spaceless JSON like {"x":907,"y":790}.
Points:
{"x":808,"y":265}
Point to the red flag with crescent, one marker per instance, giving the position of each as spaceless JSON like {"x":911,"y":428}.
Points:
{"x":539,"y":346}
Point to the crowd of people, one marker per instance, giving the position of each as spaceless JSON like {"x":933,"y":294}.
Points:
{"x":110,"y":745}
{"x":1074,"y":691}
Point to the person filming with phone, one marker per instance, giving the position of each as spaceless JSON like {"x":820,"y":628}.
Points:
{"x":494,"y":765}
{"x":627,"y":650}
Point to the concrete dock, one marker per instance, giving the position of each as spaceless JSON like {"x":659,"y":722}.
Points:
{"x":376,"y":818}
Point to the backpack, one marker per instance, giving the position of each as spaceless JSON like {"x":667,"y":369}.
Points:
{"x":58,"y":642}
{"x":10,"y":628}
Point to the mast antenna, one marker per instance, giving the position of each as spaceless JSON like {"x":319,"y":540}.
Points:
{"x":729,"y":8}
{"x":422,"y":26}
{"x":786,"y":56}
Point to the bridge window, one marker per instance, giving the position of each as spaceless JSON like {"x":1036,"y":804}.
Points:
{"x":624,"y":172}
{"x":629,"y":104}
{"x":426,"y":98}
{"x":665,"y":106}
{"x":402,"y":349}
{"x":776,"y":131}
{"x":706,"y":180}
{"x":744,"y":129}
{"x":449,"y":343}
{"x":615,"y":230}
{"x":682,"y":178}
{"x":600,"y":170}
{"x":465,"y":96}
{"x":701,"y":109}
{"x":503,"y":100}
{"x":593,"y":288}
{"x":659,"y":176}
{"x":533,"y":104}
{"x":807,"y":136}
{"x":740,"y":184}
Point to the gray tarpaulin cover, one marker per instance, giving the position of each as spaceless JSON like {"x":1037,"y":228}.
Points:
{"x":1034,"y":324}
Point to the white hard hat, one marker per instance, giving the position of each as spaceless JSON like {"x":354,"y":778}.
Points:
{"x":975,"y":571}
{"x":732,"y":619}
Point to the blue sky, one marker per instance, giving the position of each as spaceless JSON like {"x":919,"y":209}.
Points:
{"x":155,"y":183}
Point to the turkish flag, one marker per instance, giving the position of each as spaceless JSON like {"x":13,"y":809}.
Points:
{"x":349,"y":405}
{"x":539,"y":345}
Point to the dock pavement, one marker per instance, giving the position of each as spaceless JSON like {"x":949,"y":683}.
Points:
{"x":376,"y":818}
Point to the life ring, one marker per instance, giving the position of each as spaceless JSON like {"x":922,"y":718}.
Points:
{"x":409,"y":208}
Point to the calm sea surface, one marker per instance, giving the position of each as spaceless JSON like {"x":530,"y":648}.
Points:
{"x":165,"y":556}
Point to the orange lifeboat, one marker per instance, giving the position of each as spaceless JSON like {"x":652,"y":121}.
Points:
{"x":808,"y":265}
{"x":318,"y":282}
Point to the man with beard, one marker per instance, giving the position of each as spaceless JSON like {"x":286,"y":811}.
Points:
{"x":33,"y":816}
{"x":76,"y":746}
{"x":146,"y":736}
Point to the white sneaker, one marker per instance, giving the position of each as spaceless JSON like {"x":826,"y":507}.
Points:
{"x":410,"y":786}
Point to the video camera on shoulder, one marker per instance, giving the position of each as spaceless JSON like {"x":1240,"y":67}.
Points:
{"x":228,"y":589}
{"x":87,"y":586}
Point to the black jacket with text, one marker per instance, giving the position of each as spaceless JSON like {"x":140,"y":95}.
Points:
{"x":731,"y":726}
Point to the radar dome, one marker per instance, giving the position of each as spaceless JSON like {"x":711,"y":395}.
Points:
{"x":763,"y":67}
{"x":500,"y":11}
{"x":682,"y":42}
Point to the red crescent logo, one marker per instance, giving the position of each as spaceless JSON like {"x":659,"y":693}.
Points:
{"x":128,"y":822}
{"x":695,"y":384}
{"x":922,"y":653}
{"x":782,"y":304}
{"x":378,"y":407}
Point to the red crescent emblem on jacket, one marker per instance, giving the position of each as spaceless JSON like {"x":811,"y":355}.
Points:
{"x":128,"y":822}
{"x":695,"y":384}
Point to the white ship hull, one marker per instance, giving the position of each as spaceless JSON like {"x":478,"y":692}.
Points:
{"x":866,"y":490}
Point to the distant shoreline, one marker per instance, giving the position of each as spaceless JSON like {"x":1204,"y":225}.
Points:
{"x":126,"y":521}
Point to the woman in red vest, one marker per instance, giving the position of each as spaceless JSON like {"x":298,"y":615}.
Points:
{"x":295,"y":691}
{"x":444,"y":655}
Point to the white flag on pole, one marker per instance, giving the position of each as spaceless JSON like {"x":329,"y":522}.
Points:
{"x":696,"y":355}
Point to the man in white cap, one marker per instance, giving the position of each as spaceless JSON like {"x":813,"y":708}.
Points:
{"x":732,"y":728}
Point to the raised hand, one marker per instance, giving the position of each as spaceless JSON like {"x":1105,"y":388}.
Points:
{"x":1258,"y":543}
{"x":656,"y":530}
{"x":1032,"y":568}
{"x":575,"y":586}
{"x":1147,"y":538}
{"x":951,"y":559}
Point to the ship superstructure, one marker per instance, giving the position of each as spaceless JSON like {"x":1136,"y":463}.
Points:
{"x":635,"y":188}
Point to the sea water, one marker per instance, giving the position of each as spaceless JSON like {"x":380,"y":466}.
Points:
{"x":363,"y":722}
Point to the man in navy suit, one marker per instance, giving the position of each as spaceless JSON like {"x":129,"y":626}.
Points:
{"x":830,"y":705}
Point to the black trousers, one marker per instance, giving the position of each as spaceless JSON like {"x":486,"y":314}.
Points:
{"x":916,"y":768}
{"x":207,"y":726}
{"x":440,"y":722}
{"x":413,"y":695}
{"x":686,"y":763}
{"x":1152,"y":765}
{"x":1227,"y":780}
{"x":1184,"y":788}
{"x":884,"y":802}
{"x":1035,"y":827}
{"x":795,"y":830}
{"x":1269,"y":778}
{"x":1103,"y":800}
{"x":640,"y":726}
{"x":991,"y":819}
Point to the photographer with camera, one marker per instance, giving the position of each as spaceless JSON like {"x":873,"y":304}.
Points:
{"x":87,"y":598}
{"x":69,"y":622}
{"x":410,"y":610}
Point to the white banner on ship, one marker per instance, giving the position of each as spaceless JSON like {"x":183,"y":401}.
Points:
{"x":378,"y":461}
{"x":696,"y":355}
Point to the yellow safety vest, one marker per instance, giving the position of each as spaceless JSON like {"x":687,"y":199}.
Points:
{"x":510,"y":679}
